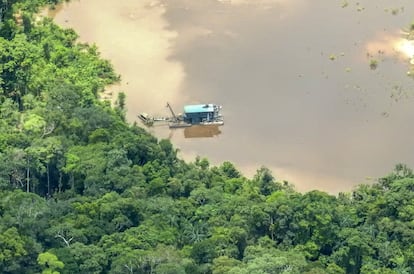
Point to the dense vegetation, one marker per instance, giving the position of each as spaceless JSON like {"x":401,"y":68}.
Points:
{"x":82,"y":191}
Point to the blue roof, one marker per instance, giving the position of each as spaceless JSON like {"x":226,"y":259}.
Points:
{"x":199,"y":108}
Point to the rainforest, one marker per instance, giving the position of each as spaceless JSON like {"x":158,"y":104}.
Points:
{"x":82,"y":190}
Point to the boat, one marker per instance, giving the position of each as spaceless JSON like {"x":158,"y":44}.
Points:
{"x":217,"y":122}
{"x":199,"y":114}
{"x":144,"y":116}
{"x":203,"y":114}
{"x":146,"y":119}
{"x":179,"y":124}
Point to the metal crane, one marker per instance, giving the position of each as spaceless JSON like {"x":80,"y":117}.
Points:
{"x":172,"y":112}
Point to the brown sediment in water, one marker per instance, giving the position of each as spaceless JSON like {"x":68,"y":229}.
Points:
{"x":134,"y":35}
{"x":316,"y":122}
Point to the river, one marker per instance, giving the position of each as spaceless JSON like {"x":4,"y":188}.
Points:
{"x":317,"y":91}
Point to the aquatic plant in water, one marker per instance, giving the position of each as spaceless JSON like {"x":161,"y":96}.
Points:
{"x":373,"y":64}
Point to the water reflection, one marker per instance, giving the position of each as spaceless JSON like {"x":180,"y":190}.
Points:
{"x":293,"y":76}
{"x":135,"y":36}
{"x":390,"y":45}
{"x":406,"y":47}
{"x":202,"y":131}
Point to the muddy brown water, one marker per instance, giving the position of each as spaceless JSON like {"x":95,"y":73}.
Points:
{"x":293,"y":77}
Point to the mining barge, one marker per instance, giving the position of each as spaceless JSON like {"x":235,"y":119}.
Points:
{"x":200,"y":114}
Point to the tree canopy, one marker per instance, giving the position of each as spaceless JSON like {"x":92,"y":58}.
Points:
{"x":83,"y":191}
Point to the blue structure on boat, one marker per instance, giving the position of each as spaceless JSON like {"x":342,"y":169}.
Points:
{"x":202,"y":114}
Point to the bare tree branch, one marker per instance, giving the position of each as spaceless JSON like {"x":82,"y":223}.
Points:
{"x":47,"y":129}
{"x":67,"y":241}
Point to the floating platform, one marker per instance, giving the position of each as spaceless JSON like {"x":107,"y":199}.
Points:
{"x":179,"y":125}
{"x":212,"y":123}
{"x":201,"y":114}
{"x":146,"y":119}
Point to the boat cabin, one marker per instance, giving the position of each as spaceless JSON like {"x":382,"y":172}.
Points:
{"x":203,"y":113}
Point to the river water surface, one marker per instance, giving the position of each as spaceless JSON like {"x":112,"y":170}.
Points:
{"x":315,"y":90}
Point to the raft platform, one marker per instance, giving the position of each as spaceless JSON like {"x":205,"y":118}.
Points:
{"x":201,"y":114}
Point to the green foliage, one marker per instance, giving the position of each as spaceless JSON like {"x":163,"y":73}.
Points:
{"x":82,"y":191}
{"x":259,"y":259}
{"x":50,"y":263}
{"x":12,"y":249}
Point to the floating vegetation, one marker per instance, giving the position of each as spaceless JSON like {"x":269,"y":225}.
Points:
{"x":373,"y":64}
{"x":399,"y":93}
{"x":359,"y":8}
{"x":394,"y":11}
{"x":334,"y":56}
{"x":348,"y":69}
{"x":374,"y":59}
{"x":344,"y":4}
